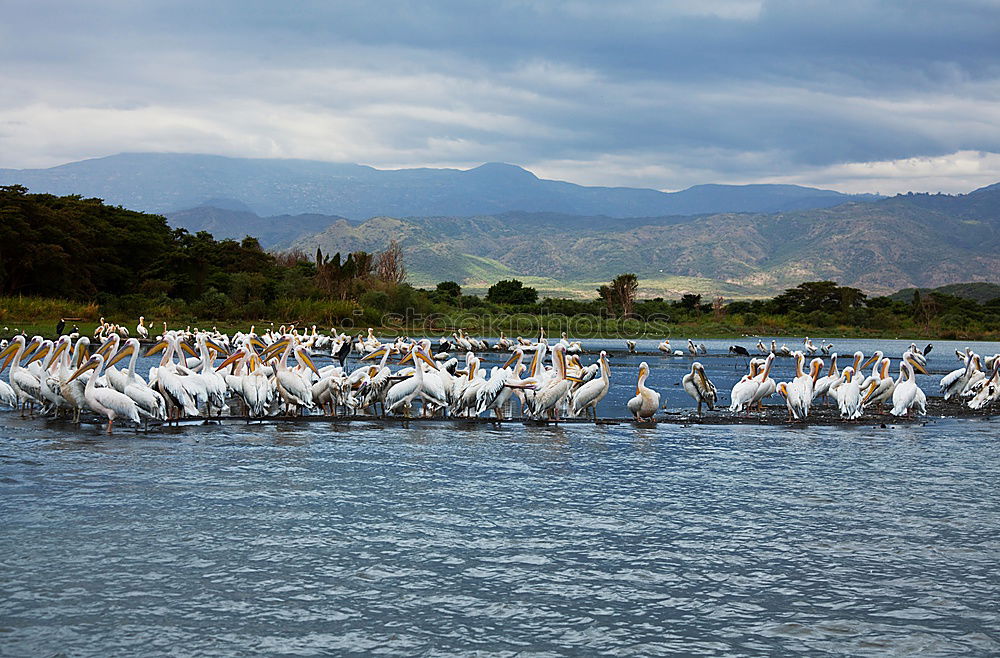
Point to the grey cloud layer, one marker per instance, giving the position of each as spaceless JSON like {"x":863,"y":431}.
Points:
{"x":645,"y":93}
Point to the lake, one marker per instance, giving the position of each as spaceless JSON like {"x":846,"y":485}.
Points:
{"x":311,"y":539}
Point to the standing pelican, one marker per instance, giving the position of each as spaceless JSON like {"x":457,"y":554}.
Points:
{"x":26,"y":386}
{"x":140,"y":329}
{"x":106,"y":401}
{"x":849,"y":395}
{"x":646,"y":401}
{"x":907,"y":395}
{"x":586,"y":398}
{"x":744,"y":390}
{"x":698,"y":386}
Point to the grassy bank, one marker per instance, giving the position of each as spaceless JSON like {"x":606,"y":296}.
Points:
{"x":35,"y":315}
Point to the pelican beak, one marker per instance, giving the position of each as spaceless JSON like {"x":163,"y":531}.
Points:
{"x":60,"y":348}
{"x":222,"y":351}
{"x":89,"y":365}
{"x":187,"y":349}
{"x":573,"y":378}
{"x":232,"y":358}
{"x":376,"y":354}
{"x":405,"y":359}
{"x":423,"y":357}
{"x":871,"y":392}
{"x":257,"y":342}
{"x":511,"y":360}
{"x":704,"y":380}
{"x":274,"y":348}
{"x":39,"y":355}
{"x":122,"y":353}
{"x":31,"y":347}
{"x":917,"y":367}
{"x":105,"y":348}
{"x":871,"y":360}
{"x":158,"y":347}
{"x":849,"y":376}
{"x":308,"y":362}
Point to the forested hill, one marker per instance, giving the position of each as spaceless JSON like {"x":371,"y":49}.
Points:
{"x":907,"y":241}
{"x":166,"y":183}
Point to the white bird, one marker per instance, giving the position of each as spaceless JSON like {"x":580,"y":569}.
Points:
{"x":107,"y":401}
{"x":698,"y":386}
{"x":744,"y":390}
{"x":821,"y":389}
{"x":587,"y":397}
{"x":646,"y":401}
{"x":550,"y":397}
{"x":849,"y":395}
{"x":145,"y":397}
{"x":141,"y":329}
{"x":766,"y":386}
{"x":630,"y":344}
{"x":954,"y":382}
{"x":879,"y":387}
{"x":907,"y":395}
{"x":25,"y":385}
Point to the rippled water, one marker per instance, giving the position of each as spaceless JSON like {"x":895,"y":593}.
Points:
{"x":306,"y":539}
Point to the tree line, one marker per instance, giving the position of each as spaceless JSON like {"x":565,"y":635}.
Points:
{"x":133,"y":263}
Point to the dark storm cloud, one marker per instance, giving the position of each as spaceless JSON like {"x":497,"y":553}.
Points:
{"x":642,"y":93}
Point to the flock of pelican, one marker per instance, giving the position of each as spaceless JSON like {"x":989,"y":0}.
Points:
{"x":204,"y":374}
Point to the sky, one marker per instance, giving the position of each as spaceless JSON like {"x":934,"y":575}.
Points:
{"x":851,"y":95}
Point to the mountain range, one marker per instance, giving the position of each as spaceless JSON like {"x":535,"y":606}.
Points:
{"x":166,"y":183}
{"x":499,"y":221}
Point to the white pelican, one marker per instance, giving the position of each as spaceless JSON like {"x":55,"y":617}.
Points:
{"x":504,"y":343}
{"x":791,"y":402}
{"x":954,"y":382}
{"x":26,"y":386}
{"x":987,"y":390}
{"x":587,"y":397}
{"x":810,"y":348}
{"x":821,"y":389}
{"x":761,"y":347}
{"x":550,"y":396}
{"x":907,"y":394}
{"x":400,"y":396}
{"x":849,"y":395}
{"x":141,"y":330}
{"x":8,"y":397}
{"x":801,"y":387}
{"x":646,"y":401}
{"x":879,"y":387}
{"x":766,"y":386}
{"x":107,"y":401}
{"x":698,"y":386}
{"x":692,"y":348}
{"x":834,"y":390}
{"x":630,"y":344}
{"x":167,"y":382}
{"x":293,"y":388}
{"x":437,"y":382}
{"x":148,"y":400}
{"x":665,"y":347}
{"x":743,"y":391}
{"x":254,"y":387}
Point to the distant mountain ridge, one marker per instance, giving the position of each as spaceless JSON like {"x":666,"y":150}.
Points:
{"x":907,"y":241}
{"x":167,"y":183}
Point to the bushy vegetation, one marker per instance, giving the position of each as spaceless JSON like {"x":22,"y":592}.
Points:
{"x":79,"y":258}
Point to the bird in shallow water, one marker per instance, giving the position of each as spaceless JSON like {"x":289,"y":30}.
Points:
{"x":698,"y":386}
{"x":646,"y":401}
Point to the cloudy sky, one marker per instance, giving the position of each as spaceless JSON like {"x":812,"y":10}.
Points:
{"x":852,"y":95}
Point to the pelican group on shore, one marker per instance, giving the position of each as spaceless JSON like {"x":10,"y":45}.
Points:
{"x":275,"y":374}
